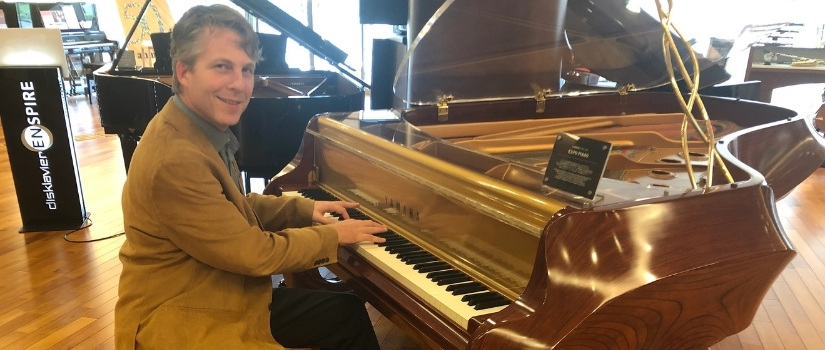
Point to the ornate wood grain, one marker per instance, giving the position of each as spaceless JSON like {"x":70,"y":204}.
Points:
{"x":648,"y":276}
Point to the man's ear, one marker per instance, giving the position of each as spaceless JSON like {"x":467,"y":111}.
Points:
{"x":181,"y":72}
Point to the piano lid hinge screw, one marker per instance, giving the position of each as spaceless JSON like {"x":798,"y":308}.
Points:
{"x":443,"y":107}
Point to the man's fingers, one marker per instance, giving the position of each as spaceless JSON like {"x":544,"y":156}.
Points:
{"x":374,"y":239}
{"x":344,"y":213}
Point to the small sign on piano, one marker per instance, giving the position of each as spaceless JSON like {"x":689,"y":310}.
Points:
{"x":576,"y":165}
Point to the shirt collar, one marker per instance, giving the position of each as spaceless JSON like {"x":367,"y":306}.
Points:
{"x":219,"y":139}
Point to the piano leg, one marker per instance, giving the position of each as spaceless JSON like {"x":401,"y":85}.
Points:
{"x":128,"y":143}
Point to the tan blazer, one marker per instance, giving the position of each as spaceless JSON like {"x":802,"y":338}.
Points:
{"x":197,"y":259}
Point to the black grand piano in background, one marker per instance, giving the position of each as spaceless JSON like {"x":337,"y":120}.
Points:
{"x":88,"y":42}
{"x":83,"y":41}
{"x":86,"y":47}
{"x":283,"y":100}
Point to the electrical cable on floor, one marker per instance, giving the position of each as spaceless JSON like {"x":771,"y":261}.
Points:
{"x":85,"y":226}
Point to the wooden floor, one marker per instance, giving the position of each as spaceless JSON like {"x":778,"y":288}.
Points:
{"x":61,"y":295}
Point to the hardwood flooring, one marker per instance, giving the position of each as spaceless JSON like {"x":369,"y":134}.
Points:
{"x":60,"y":295}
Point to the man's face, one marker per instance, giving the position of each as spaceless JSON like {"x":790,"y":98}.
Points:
{"x":219,"y":85}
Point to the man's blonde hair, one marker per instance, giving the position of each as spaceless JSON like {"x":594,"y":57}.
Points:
{"x":188,"y":33}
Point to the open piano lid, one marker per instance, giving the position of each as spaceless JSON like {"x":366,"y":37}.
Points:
{"x":306,"y":37}
{"x":473,"y":50}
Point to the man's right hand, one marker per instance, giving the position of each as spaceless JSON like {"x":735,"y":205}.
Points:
{"x":353,"y":231}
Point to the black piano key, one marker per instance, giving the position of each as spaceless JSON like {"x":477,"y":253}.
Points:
{"x":502,"y":301}
{"x":394,"y":242}
{"x":444,"y":273}
{"x":387,"y":234}
{"x":431,"y":266}
{"x":317,"y":194}
{"x":473,"y":299}
{"x":394,"y":245}
{"x":406,"y":244}
{"x":488,"y":301}
{"x":403,"y":248}
{"x":411,"y":255}
{"x":466,"y":288}
{"x":453,"y":280}
{"x":422,"y":260}
{"x":478,"y":301}
{"x":415,"y":254}
{"x":394,"y":237}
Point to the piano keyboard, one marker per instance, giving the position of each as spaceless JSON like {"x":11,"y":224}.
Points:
{"x":448,"y":290}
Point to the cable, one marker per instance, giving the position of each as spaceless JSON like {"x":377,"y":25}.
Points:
{"x":669,"y":47}
{"x":85,"y":226}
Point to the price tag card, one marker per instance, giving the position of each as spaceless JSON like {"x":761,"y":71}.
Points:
{"x":577,"y":164}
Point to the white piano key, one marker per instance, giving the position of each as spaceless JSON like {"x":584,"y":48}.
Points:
{"x":436,"y":296}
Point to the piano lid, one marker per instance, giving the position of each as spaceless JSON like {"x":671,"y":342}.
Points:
{"x":473,"y":50}
{"x":306,"y":37}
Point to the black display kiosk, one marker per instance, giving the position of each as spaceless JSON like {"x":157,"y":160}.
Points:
{"x":39,"y":141}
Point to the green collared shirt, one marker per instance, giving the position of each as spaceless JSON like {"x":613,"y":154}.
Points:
{"x":225,"y":142}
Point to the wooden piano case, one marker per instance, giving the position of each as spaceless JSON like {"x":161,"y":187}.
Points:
{"x":653,"y":262}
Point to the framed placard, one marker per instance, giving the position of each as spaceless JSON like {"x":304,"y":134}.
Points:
{"x":577,"y":164}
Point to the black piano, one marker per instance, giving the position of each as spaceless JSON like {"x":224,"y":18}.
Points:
{"x":676,"y":248}
{"x":86,"y":49}
{"x":89,"y":43}
{"x":283,"y":101}
{"x":83,"y":42}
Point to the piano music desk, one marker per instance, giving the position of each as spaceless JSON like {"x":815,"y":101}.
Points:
{"x":778,"y":75}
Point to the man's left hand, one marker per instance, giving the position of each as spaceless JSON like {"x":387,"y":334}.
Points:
{"x":323,"y":207}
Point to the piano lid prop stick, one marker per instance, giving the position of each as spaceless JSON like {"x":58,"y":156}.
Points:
{"x":549,"y":130}
{"x":129,"y":36}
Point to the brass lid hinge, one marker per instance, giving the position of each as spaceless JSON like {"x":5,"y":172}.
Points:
{"x":443,"y":107}
{"x":625,"y":89}
{"x":541,"y":99}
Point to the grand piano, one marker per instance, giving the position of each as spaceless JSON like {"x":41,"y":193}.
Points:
{"x":82,"y":40}
{"x":88,"y":43}
{"x":283,"y":100}
{"x":675,"y":250}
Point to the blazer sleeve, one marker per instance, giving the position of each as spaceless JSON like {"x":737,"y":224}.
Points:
{"x":197,"y":217}
{"x":277,"y":213}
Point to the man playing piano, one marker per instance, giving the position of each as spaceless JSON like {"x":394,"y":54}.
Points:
{"x":198,"y":254}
